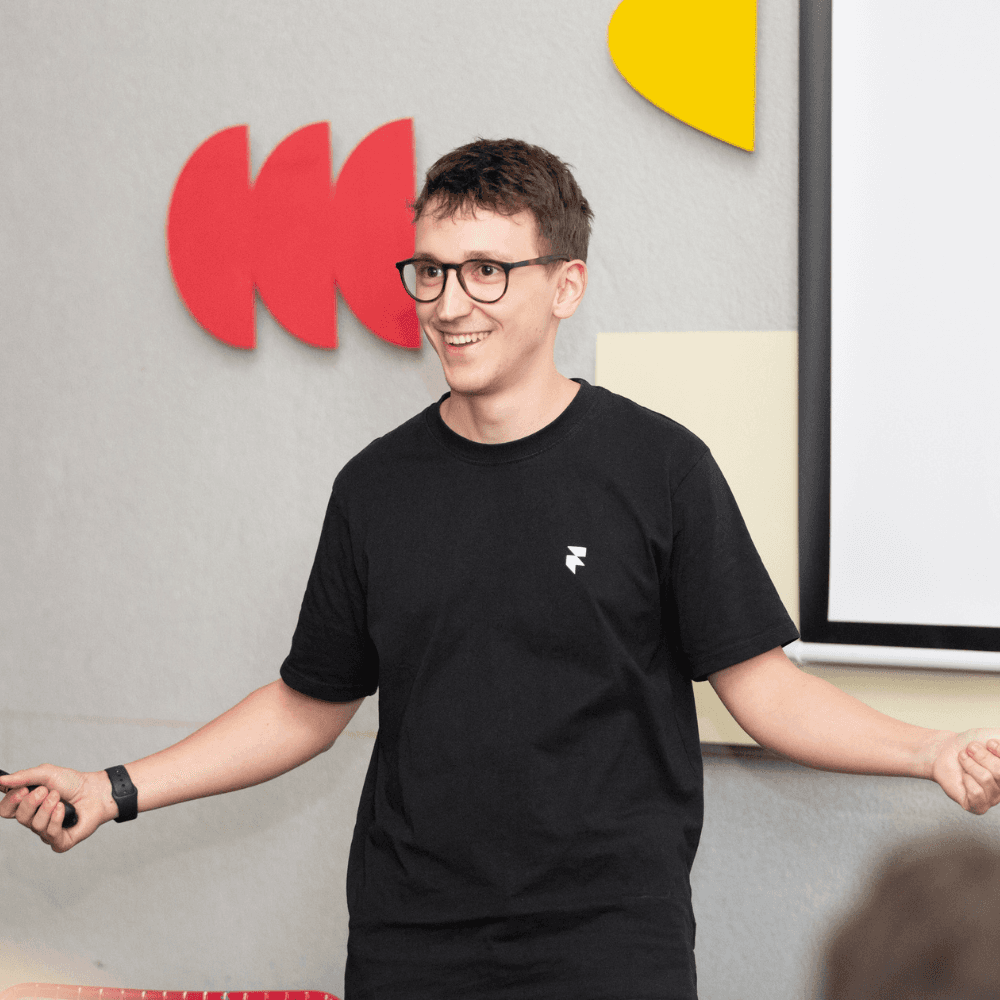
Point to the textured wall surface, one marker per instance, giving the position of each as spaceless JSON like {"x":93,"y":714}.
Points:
{"x":162,"y":493}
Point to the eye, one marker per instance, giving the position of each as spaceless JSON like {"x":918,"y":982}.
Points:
{"x":428,"y":271}
{"x":488,"y":271}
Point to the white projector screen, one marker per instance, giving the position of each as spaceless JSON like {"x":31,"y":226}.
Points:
{"x":911,"y":241}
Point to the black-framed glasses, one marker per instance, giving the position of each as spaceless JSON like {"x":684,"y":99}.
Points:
{"x":482,"y":280}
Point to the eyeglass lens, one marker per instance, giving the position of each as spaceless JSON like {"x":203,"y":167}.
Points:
{"x":484,"y":280}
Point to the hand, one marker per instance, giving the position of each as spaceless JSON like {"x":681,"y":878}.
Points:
{"x":967,"y":767}
{"x":42,"y":810}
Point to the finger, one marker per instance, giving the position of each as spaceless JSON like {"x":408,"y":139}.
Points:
{"x":53,"y":832}
{"x":994,"y":747}
{"x":10,"y":781}
{"x":43,"y":814}
{"x":10,"y":802}
{"x":29,"y":805}
{"x":29,"y":776}
{"x":983,"y":766}
{"x":975,"y":797}
{"x":982,"y":790}
{"x":45,"y":775}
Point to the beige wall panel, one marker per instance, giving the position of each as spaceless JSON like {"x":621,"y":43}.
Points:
{"x":738,"y":391}
{"x":938,"y":699}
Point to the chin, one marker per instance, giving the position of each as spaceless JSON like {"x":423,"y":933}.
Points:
{"x":467,"y":383}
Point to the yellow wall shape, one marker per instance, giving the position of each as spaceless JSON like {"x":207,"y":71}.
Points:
{"x":694,"y":59}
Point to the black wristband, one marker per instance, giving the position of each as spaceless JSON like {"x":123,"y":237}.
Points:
{"x":124,"y":793}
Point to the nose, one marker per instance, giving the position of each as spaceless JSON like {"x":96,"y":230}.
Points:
{"x":453,"y":301}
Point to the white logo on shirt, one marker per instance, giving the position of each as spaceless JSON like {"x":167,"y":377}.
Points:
{"x":575,"y":559}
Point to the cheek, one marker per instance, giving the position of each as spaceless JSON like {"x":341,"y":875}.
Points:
{"x":529,"y":327}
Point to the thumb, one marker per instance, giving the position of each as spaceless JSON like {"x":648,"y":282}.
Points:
{"x":67,"y":782}
{"x":9,"y":781}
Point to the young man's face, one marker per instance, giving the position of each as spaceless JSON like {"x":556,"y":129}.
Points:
{"x":490,"y":347}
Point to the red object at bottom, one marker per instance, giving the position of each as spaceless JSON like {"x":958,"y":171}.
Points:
{"x":60,"y":991}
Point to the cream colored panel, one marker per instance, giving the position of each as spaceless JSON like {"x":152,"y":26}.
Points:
{"x":936,"y":699}
{"x":738,"y":391}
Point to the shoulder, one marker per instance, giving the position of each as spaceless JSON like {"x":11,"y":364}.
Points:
{"x":388,"y":458}
{"x":645,"y":436}
{"x":622,"y":410}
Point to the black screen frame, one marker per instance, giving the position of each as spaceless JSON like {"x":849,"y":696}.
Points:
{"x":815,"y":215}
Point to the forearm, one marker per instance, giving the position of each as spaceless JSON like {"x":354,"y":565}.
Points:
{"x":271,"y":731}
{"x":810,"y":721}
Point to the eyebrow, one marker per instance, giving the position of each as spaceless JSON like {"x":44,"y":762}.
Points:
{"x":470,"y":255}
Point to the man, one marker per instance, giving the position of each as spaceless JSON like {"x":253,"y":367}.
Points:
{"x":532,"y":609}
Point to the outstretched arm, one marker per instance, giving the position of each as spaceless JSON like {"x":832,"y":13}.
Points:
{"x":269,"y":732}
{"x":810,"y":721}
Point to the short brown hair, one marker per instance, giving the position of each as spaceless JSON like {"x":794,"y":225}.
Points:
{"x":508,"y":176}
{"x":929,"y":927}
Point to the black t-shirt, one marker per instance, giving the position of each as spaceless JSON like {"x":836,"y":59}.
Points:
{"x":532,"y":614}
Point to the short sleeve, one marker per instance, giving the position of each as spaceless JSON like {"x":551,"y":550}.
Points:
{"x":332,"y":656}
{"x":727,"y":609}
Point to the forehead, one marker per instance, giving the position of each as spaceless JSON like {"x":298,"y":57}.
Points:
{"x":477,"y":232}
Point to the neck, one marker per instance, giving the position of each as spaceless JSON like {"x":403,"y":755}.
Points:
{"x":510,"y":414}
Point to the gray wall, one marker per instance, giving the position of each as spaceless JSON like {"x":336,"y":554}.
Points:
{"x":162,"y":493}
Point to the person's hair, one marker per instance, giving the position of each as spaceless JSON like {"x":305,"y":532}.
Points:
{"x":928,"y":929}
{"x":508,"y":176}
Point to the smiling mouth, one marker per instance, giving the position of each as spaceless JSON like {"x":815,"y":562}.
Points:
{"x":457,"y":339}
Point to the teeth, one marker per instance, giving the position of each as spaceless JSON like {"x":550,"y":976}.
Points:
{"x":464,"y":338}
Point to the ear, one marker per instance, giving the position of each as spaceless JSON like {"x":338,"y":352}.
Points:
{"x":569,"y":291}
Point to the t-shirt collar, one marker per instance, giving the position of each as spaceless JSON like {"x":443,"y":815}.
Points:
{"x":512,"y":451}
